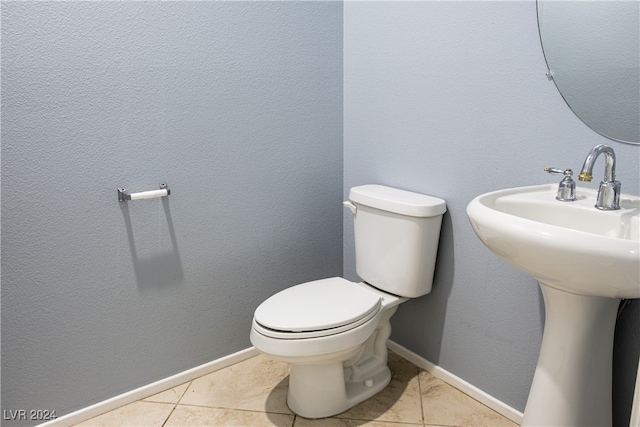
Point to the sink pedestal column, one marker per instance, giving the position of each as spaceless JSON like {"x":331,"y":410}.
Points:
{"x":572,"y":382}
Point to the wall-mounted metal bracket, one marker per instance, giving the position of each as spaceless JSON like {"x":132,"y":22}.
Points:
{"x":549,"y":75}
{"x":125,"y":196}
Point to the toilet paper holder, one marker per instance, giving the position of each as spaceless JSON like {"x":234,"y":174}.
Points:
{"x":125,"y":196}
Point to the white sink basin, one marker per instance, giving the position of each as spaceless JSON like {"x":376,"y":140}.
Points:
{"x":570,"y":246}
{"x":585,"y":261}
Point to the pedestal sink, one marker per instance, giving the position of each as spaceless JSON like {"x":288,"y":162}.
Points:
{"x":586,"y":260}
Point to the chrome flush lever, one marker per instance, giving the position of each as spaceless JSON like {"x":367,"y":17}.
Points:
{"x":567,"y":187}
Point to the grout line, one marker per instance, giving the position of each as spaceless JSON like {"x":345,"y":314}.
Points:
{"x":177,"y":402}
{"x":386,"y":422}
{"x":234,"y":409}
{"x":420,"y":393}
{"x":185,"y":391}
{"x":169,"y":416}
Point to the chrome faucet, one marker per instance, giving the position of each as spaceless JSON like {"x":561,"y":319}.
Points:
{"x":567,"y":187}
{"x":609,"y":190}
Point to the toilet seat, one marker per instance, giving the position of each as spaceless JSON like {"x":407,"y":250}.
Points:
{"x":316,"y":309}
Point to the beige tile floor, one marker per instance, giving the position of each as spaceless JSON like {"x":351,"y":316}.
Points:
{"x":254,"y":393}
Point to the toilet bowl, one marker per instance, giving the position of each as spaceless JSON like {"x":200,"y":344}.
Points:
{"x":337,"y":351}
{"x":333,"y":332}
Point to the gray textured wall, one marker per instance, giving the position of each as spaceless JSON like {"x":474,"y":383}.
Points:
{"x":238,"y":105}
{"x":451,"y":99}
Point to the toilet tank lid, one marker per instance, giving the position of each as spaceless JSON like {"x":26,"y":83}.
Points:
{"x":397,"y":201}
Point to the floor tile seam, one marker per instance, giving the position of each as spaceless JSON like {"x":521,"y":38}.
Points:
{"x":424,"y":421}
{"x":378,"y":421}
{"x":146,"y":400}
{"x":186,"y":389}
{"x":418,"y":369}
{"x":149,"y":399}
{"x":175,"y":405}
{"x":234,"y":409}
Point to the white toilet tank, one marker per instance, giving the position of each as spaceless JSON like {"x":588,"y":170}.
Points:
{"x":396,"y":236}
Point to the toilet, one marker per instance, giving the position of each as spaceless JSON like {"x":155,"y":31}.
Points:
{"x":333,"y":332}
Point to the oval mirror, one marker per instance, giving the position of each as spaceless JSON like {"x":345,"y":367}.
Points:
{"x":592,"y":49}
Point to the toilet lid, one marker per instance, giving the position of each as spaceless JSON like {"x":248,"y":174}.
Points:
{"x":318,"y":306}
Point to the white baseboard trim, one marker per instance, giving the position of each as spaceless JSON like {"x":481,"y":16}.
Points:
{"x":193,"y":373}
{"x":151,"y":389}
{"x":457,"y":382}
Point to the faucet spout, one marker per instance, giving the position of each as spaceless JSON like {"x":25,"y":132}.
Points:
{"x":610,"y":166}
{"x":609,"y":190}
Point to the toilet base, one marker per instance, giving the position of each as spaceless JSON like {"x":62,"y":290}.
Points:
{"x":324,"y":390}
{"x":319,"y":391}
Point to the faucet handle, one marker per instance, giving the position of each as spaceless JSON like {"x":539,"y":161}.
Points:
{"x":567,"y":187}
{"x":556,"y":171}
